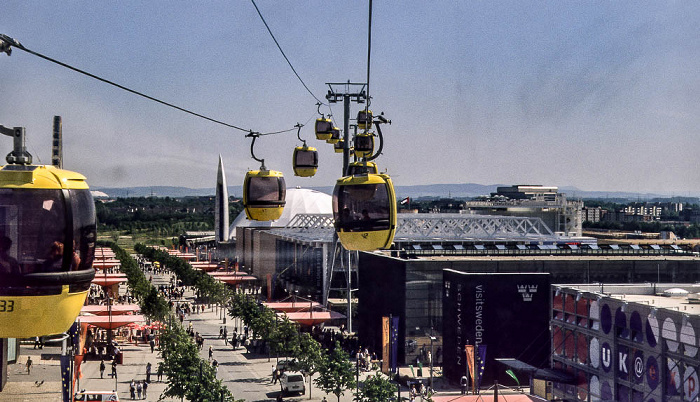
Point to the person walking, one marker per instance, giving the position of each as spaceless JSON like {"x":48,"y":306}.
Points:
{"x":139,"y":389}
{"x":211,"y":352}
{"x":114,"y":369}
{"x":148,"y":372}
{"x":29,"y":364}
{"x":145,"y":390}
{"x":152,"y":343}
{"x":463,"y":382}
{"x":132,"y":389}
{"x":160,"y":372}
{"x":102,"y":369}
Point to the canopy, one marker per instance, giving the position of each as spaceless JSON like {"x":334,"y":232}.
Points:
{"x":539,"y":373}
{"x":486,"y":398}
{"x":205,"y":266}
{"x":112,"y":322}
{"x":109,"y":279}
{"x":234,"y":279}
{"x":117,"y":309}
{"x":106,"y":263}
{"x":312,"y":317}
{"x":292,"y":306}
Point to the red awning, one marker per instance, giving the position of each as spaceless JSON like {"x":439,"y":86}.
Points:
{"x":117,"y":309}
{"x":205,"y":266}
{"x":235,"y":279}
{"x":293,"y":306}
{"x":112,"y":322}
{"x":312,"y":317}
{"x":107,"y":263}
{"x":109,"y":279}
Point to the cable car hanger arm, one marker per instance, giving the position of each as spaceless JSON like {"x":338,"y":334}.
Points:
{"x":19,"y":154}
{"x":380,"y":120}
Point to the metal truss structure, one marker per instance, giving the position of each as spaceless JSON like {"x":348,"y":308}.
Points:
{"x":433,"y":227}
{"x":460,"y":227}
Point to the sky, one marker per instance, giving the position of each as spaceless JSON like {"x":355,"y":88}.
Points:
{"x":599,"y":95}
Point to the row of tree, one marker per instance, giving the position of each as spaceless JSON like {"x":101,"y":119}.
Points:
{"x":336,"y":372}
{"x":208,"y":289}
{"x":188,"y":375}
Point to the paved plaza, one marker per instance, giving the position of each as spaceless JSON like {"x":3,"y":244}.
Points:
{"x":248,"y":376}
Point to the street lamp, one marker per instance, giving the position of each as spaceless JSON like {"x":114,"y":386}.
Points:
{"x":432,"y":338}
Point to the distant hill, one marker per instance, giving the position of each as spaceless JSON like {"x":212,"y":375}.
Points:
{"x":465,"y":190}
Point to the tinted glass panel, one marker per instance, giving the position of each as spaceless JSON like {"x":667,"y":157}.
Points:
{"x":364,"y":143}
{"x":306,"y":159}
{"x":361,"y":207}
{"x":83,"y":229}
{"x":265,"y":189}
{"x":323,"y":126}
{"x":32,"y":230}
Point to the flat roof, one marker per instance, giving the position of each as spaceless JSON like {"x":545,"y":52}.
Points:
{"x":549,"y":257}
{"x":646,"y":294}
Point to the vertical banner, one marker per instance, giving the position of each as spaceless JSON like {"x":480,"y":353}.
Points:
{"x":481,"y":363}
{"x":469,"y":349}
{"x":386,"y":351}
{"x":65,"y":377}
{"x":394,"y":343}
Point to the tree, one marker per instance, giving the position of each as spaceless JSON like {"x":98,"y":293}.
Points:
{"x":376,"y":388}
{"x":336,"y":372}
{"x":308,"y":356}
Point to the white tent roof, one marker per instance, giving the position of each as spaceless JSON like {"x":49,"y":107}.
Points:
{"x":298,"y":201}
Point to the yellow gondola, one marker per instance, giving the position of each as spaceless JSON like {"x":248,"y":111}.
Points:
{"x":47,"y":245}
{"x":305,"y":161}
{"x":324,"y":128}
{"x":339,"y":146}
{"x":264,"y":194}
{"x":358,"y":168}
{"x":364,"y":119}
{"x":335,"y":136}
{"x":305,"y":158}
{"x":364,"y":209}
{"x":364,"y":145}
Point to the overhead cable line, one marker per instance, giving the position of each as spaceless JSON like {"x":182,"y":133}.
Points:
{"x":282,"y":51}
{"x":7,"y":42}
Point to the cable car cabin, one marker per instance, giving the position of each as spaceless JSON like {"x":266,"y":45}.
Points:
{"x":358,"y":168}
{"x":364,"y":209}
{"x":364,"y":145}
{"x":305,"y":161}
{"x":324,"y":128}
{"x":263,"y":195}
{"x":335,"y":136}
{"x":47,"y":246}
{"x":364,"y":119}
{"x":339,"y":146}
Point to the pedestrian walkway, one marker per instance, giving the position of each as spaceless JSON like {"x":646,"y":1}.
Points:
{"x":248,"y":376}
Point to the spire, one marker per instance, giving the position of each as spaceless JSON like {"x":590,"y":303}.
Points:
{"x":221,"y":211}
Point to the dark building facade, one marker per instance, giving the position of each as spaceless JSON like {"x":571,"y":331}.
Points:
{"x":411,"y":288}
{"x":507,"y":313}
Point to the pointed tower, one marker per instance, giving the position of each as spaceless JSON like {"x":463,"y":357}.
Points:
{"x":221,"y":212}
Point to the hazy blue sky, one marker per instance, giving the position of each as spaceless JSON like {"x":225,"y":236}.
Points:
{"x":602,"y":95}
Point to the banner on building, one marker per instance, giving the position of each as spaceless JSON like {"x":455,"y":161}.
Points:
{"x":394,"y":343}
{"x":386,"y":350}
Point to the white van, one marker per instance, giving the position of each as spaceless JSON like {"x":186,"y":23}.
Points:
{"x":99,"y":396}
{"x":292,"y":381}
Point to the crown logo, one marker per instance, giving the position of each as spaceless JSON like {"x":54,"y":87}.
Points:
{"x":527,"y":291}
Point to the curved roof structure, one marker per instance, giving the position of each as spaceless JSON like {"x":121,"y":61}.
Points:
{"x":298,"y":201}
